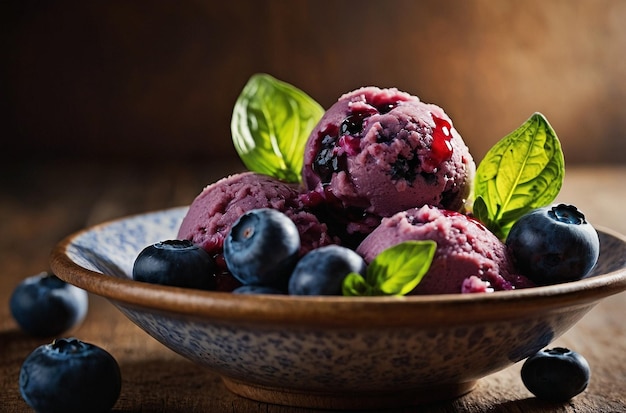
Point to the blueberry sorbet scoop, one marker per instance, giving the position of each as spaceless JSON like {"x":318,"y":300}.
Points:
{"x":220,"y":204}
{"x":469,"y":258}
{"x":377,"y":151}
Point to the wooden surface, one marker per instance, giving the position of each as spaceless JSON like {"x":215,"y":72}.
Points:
{"x":42,"y":202}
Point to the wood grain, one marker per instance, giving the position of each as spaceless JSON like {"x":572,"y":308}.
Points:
{"x":41,"y":203}
{"x":120,"y":78}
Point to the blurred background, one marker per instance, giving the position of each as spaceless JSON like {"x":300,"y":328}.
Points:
{"x":154,"y":80}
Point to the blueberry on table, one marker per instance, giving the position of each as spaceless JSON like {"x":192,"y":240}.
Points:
{"x":554,"y":244}
{"x":556,"y":374}
{"x":45,"y":306}
{"x":262,"y":248}
{"x":322,"y":271}
{"x":69,"y":376}
{"x":178,"y":263}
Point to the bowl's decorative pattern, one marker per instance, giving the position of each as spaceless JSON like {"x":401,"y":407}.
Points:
{"x":352,"y":359}
{"x":381,"y":353}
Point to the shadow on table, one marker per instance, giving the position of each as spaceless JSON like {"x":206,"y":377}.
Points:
{"x":170,"y":385}
{"x":176,"y":385}
{"x":16,"y":342}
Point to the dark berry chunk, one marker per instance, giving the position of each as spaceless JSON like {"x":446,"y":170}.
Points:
{"x":556,"y":374}
{"x":45,"y":306}
{"x":326,"y":161}
{"x":224,"y":281}
{"x":554,"y":244}
{"x":352,"y":125}
{"x":321,"y":271}
{"x":386,"y":107}
{"x":70,"y":376}
{"x":405,"y":169}
{"x":177,"y":263}
{"x":262,"y":248}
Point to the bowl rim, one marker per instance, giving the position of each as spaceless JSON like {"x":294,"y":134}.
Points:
{"x":334,"y":311}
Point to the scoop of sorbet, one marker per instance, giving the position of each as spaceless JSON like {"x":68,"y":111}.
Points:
{"x":469,"y":258}
{"x":219,"y":205}
{"x":376,"y":152}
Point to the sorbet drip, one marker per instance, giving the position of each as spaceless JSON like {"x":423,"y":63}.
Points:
{"x":441,"y":148}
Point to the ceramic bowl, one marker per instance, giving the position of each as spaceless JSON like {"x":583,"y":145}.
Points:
{"x":333,"y":352}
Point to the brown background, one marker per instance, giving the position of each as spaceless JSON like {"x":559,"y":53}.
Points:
{"x":149,"y":80}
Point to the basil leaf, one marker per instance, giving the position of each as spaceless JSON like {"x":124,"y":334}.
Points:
{"x":395,"y":271}
{"x":481,"y":212}
{"x":354,"y":285}
{"x":270,"y":125}
{"x":521,"y":172}
{"x":398,"y":270}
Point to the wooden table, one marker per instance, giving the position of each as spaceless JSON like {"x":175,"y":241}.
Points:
{"x":42,"y":202}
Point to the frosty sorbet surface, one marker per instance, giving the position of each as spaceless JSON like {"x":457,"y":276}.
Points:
{"x":377,"y":151}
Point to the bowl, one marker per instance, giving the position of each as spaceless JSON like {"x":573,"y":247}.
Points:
{"x":333,"y":352}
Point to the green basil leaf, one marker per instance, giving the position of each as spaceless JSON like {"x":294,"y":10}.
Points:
{"x":270,"y":125}
{"x":354,"y":285}
{"x":395,"y":271}
{"x":481,"y":212}
{"x":521,"y":172}
{"x":398,"y":269}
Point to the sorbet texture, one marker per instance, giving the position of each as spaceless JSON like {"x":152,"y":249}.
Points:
{"x":377,"y":151}
{"x":469,"y":258}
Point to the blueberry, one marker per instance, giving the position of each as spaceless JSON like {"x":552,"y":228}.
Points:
{"x":257,"y":289}
{"x":554,"y":244}
{"x":45,"y":306}
{"x":322,"y":271}
{"x":262,"y":248}
{"x":177,"y":263}
{"x":69,"y":375}
{"x":556,"y":374}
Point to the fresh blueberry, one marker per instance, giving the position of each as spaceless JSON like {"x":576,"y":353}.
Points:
{"x":262,"y":248}
{"x":257,"y":289}
{"x":322,"y":271}
{"x":554,"y":244}
{"x":68,"y":376}
{"x":556,"y":374}
{"x":177,"y":263}
{"x":45,"y":306}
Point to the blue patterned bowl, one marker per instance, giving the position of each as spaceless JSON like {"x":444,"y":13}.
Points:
{"x":333,"y":352}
